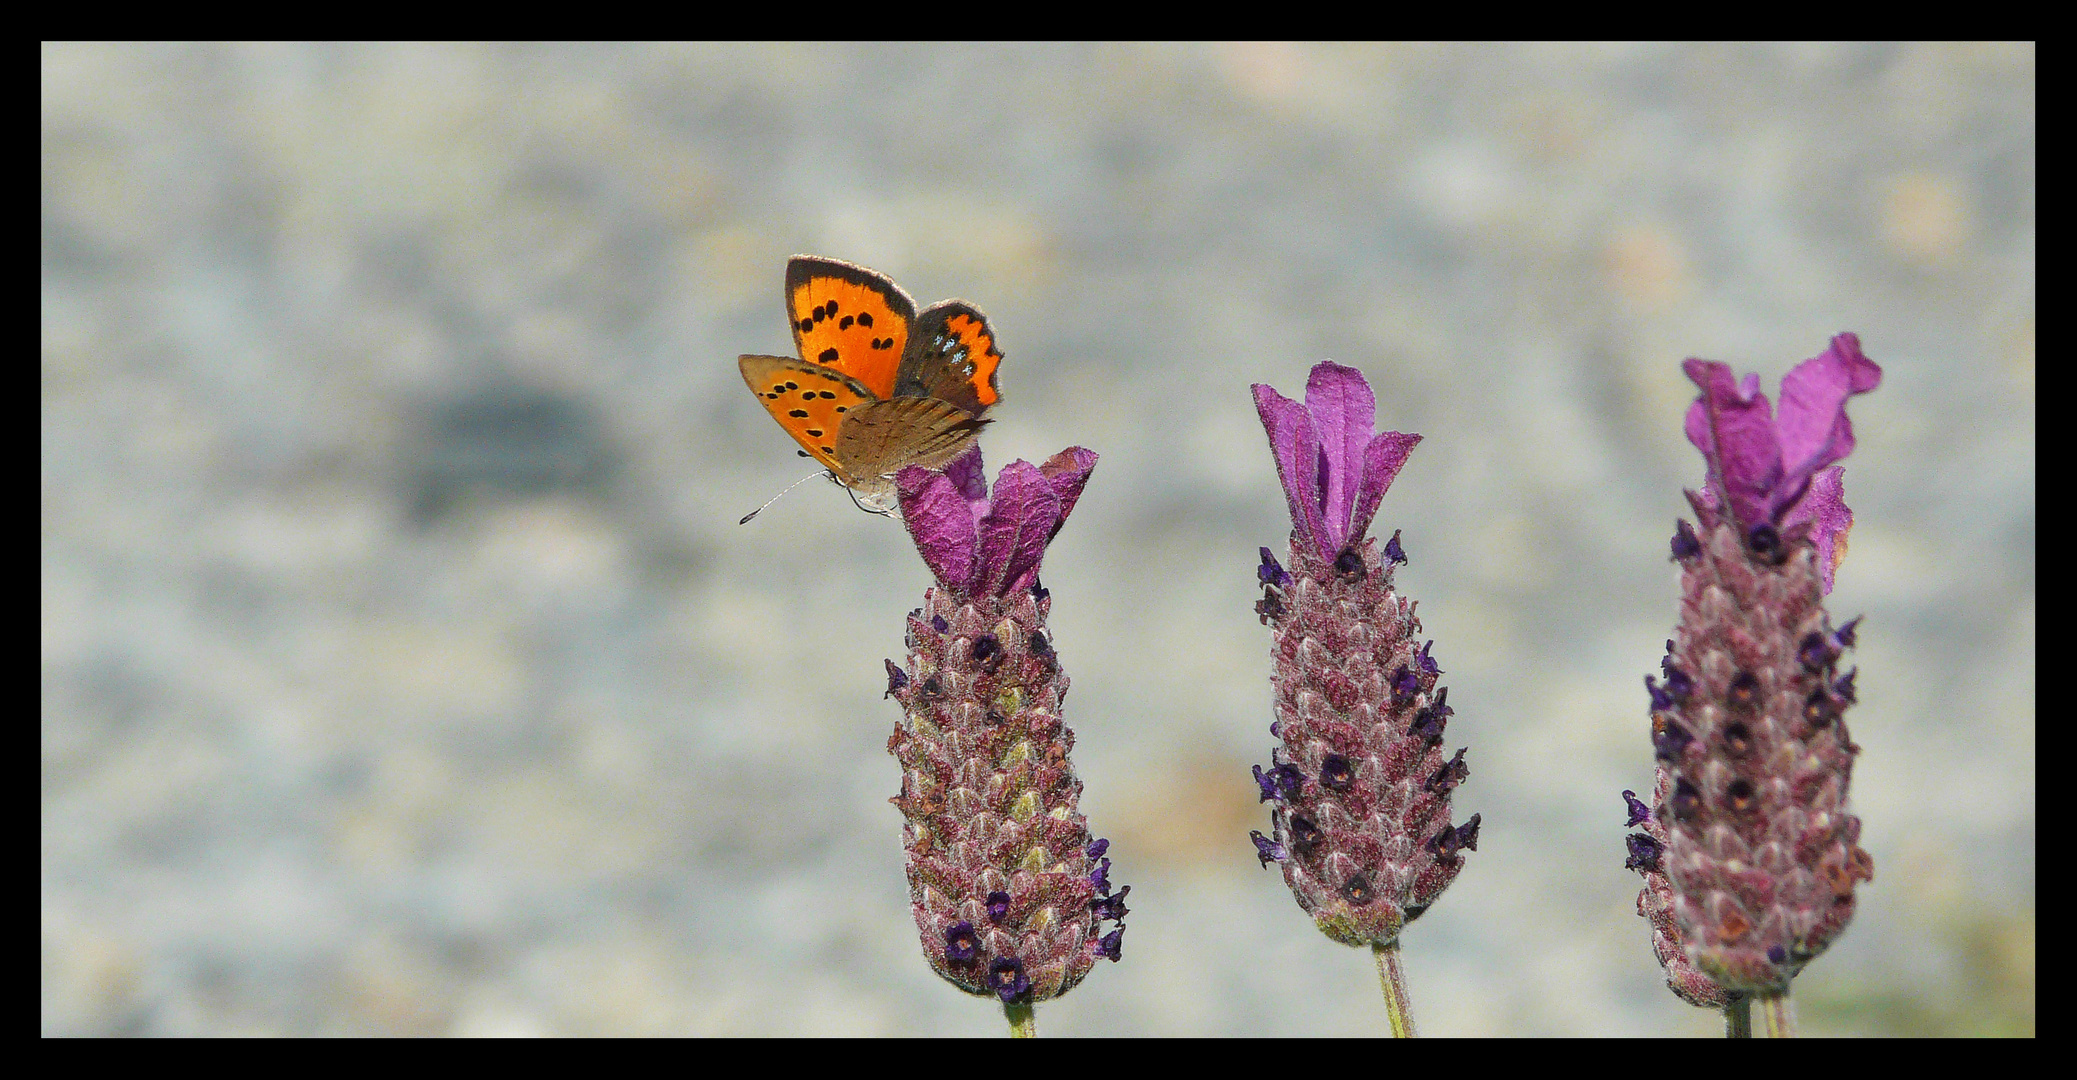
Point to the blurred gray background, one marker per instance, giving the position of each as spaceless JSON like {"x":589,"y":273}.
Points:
{"x":405,"y":671}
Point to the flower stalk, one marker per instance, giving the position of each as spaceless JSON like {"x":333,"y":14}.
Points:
{"x":1781,"y":1015}
{"x":1391,"y":975}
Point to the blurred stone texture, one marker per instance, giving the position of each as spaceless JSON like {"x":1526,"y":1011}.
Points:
{"x":404,"y":669}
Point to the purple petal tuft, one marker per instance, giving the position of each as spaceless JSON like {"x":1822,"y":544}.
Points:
{"x":1764,"y":465}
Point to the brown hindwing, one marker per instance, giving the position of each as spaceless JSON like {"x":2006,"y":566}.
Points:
{"x":951,"y":355}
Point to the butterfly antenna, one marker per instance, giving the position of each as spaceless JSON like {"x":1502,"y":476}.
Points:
{"x":776,"y":498}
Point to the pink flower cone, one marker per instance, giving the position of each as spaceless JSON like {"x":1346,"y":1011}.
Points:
{"x":1749,"y":855}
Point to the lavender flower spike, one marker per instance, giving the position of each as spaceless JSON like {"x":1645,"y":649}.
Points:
{"x":1749,"y":856}
{"x":1361,"y":785}
{"x":1008,"y":890}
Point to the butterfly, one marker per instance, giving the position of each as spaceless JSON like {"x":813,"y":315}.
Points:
{"x":877,"y":386}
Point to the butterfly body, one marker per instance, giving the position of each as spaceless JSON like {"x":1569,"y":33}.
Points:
{"x":877,"y":385}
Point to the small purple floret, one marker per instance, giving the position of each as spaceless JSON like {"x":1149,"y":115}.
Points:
{"x":1744,"y":689}
{"x":1427,"y":663}
{"x":1677,"y":682}
{"x":1452,"y":773}
{"x":1267,"y":850}
{"x":961,"y":944}
{"x":1427,"y":726}
{"x":1100,"y":875}
{"x":1111,"y":907}
{"x":1405,"y":683}
{"x":1272,"y":572}
{"x":998,"y":907}
{"x":1842,"y":687}
{"x":1844,"y":636}
{"x":896,"y":679}
{"x":1661,"y":700}
{"x":1639,"y":813}
{"x":1393,"y":552}
{"x":1777,"y":954}
{"x":1765,"y":542}
{"x":1281,"y":782}
{"x":1644,"y":853}
{"x":1098,"y":847}
{"x":1671,"y":741}
{"x":1815,"y":653}
{"x":1007,"y":976}
{"x":1686,"y":545}
{"x":1449,"y":841}
{"x":1112,"y":945}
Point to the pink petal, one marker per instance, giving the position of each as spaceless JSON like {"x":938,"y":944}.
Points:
{"x":1382,"y":460}
{"x":1812,"y":426}
{"x":1344,"y":413}
{"x":965,"y":473}
{"x":1735,"y":432}
{"x":940,"y":521}
{"x":1297,"y":451}
{"x":1068,"y":471}
{"x":1013,"y":535}
{"x":1824,"y":507}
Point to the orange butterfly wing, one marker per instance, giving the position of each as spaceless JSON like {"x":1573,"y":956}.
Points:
{"x":809,"y":400}
{"x":850,"y":319}
{"x":951,"y":356}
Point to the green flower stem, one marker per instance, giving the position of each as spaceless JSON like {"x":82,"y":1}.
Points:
{"x":1023,"y":1021}
{"x":1781,"y":1016}
{"x":1393,"y":978}
{"x":1738,"y":1018}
